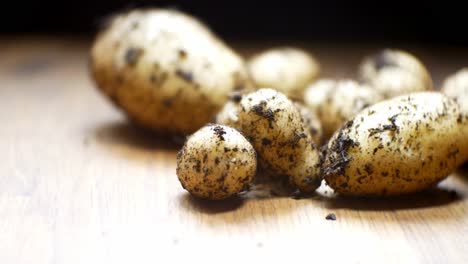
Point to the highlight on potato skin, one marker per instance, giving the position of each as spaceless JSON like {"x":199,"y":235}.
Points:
{"x":165,"y":69}
{"x":456,"y":87}
{"x":394,"y":72}
{"x":403,"y":145}
{"x":216,"y":162}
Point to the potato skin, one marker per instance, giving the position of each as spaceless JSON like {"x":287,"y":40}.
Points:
{"x":165,"y":69}
{"x":336,"y":101}
{"x":402,"y":145}
{"x":395,"y":72}
{"x":216,"y":162}
{"x":285,"y":69}
{"x":312,"y":122}
{"x":229,"y":116}
{"x":276,"y":129}
{"x":456,"y":87}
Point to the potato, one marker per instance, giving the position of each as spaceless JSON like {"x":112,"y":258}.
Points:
{"x":216,"y":162}
{"x":280,"y":136}
{"x":402,"y":145}
{"x":335,"y":102}
{"x":229,"y":116}
{"x":394,"y":73}
{"x":312,"y":122}
{"x":165,"y":69}
{"x":287,"y":70}
{"x":456,"y":87}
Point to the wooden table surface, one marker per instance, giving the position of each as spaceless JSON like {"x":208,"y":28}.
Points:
{"x":79,"y":184}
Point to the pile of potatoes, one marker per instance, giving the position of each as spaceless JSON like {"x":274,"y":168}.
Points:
{"x":389,"y":133}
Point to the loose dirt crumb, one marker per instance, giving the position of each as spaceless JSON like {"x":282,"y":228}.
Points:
{"x":331,"y":217}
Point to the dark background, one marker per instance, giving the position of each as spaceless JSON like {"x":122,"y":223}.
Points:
{"x":442,"y":22}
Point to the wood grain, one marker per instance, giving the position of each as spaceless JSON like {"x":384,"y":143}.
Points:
{"x":80,"y":184}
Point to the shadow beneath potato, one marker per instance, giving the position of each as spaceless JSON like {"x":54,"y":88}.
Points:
{"x":265,"y":187}
{"x":238,"y":210}
{"x":434,"y":197}
{"x":134,"y":142}
{"x":268,"y":185}
{"x":210,"y":207}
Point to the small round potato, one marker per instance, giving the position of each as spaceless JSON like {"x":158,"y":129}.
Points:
{"x":165,"y":69}
{"x":216,"y":162}
{"x":288,"y":70}
{"x":456,"y":87}
{"x":335,"y":102}
{"x":280,"y":136}
{"x":394,"y":73}
{"x":402,"y":145}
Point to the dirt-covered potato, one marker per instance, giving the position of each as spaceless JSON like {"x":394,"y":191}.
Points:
{"x":394,"y":73}
{"x":398,"y":146}
{"x":216,"y":162}
{"x":229,"y":116}
{"x":274,"y":126}
{"x":456,"y":87}
{"x":335,"y":102}
{"x":165,"y":69}
{"x":288,"y":70}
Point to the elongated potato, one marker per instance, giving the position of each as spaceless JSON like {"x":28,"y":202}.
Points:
{"x":456,"y":87}
{"x":335,"y":102}
{"x":280,"y":136}
{"x":165,"y":69}
{"x":216,"y":162}
{"x":402,"y":145}
{"x":394,"y":73}
{"x":288,"y":70}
